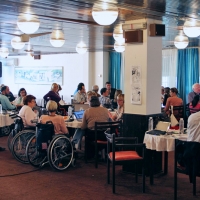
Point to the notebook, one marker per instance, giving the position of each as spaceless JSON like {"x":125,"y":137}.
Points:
{"x":79,"y":115}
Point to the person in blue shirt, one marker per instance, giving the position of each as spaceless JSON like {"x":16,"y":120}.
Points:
{"x":6,"y":105}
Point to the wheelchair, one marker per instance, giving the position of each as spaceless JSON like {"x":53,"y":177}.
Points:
{"x":18,"y":139}
{"x":18,"y":126}
{"x":46,"y":147}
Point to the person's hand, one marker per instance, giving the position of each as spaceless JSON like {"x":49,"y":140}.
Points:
{"x":110,"y":115}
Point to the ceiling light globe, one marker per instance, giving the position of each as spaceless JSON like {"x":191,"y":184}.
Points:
{"x":119,"y":37}
{"x":119,"y":47}
{"x":191,"y":28}
{"x":4,"y":52}
{"x":28,"y":26}
{"x":16,"y":43}
{"x":181,"y":41}
{"x":57,"y":38}
{"x":104,"y":14}
{"x":81,"y":48}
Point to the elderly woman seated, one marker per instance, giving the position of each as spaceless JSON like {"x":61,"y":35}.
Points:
{"x":120,"y":109}
{"x":26,"y":112}
{"x":94,"y":114}
{"x":57,"y":120}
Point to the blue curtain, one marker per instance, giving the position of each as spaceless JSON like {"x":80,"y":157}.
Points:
{"x":187,"y":71}
{"x":115,"y":69}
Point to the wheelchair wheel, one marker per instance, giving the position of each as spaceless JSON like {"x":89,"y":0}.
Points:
{"x":19,"y":144}
{"x":5,"y":130}
{"x":34,"y":157}
{"x":60,"y":153}
{"x":9,"y":140}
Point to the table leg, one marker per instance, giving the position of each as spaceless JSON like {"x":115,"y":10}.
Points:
{"x":152,"y":168}
{"x":78,"y":137}
{"x":165,"y":162}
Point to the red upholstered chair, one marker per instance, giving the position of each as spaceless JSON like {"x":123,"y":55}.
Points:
{"x":124,"y":150}
{"x":100,"y":128}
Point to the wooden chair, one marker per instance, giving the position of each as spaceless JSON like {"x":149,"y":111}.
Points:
{"x":189,"y":154}
{"x":122,"y":154}
{"x":100,"y":128}
{"x":178,"y":112}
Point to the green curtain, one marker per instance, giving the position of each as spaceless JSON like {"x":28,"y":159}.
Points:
{"x":115,"y":69}
{"x":187,"y":71}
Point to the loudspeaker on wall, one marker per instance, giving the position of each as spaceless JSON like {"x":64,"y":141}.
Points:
{"x":157,"y":30}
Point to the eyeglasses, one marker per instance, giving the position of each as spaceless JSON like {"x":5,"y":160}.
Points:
{"x":33,"y":101}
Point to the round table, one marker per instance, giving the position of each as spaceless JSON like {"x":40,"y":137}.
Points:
{"x":162,"y":142}
{"x":5,"y":123}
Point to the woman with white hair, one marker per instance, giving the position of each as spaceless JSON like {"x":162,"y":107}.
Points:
{"x":196,"y":91}
{"x":95,"y":88}
{"x":57,"y":120}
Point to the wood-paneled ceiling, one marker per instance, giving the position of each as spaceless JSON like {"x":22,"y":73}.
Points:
{"x":75,"y":19}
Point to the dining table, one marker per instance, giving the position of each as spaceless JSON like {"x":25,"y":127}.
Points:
{"x":163,"y":143}
{"x":5,"y":123}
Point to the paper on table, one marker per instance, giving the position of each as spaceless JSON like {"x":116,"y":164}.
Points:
{"x":61,"y":102}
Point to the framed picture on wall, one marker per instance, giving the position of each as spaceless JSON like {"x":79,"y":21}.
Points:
{"x":136,"y":90}
{"x":39,"y":75}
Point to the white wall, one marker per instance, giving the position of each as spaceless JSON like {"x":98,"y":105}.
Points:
{"x":98,"y":65}
{"x":75,"y":69}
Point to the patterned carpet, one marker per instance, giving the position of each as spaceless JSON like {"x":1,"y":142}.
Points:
{"x":83,"y":182}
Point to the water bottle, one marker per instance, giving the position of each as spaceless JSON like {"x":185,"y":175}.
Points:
{"x":0,"y":109}
{"x":150,"y":125}
{"x":70,"y":111}
{"x":181,"y":126}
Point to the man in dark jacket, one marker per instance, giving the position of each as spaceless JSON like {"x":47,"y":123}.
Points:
{"x":111,"y":91}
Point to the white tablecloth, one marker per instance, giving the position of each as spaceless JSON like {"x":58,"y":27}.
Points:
{"x":162,"y":143}
{"x":5,"y":120}
{"x":74,"y":124}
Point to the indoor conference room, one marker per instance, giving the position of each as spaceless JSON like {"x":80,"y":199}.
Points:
{"x":99,"y":99}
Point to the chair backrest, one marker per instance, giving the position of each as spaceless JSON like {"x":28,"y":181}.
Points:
{"x":111,"y":127}
{"x":44,"y":134}
{"x":178,"y":112}
{"x":187,"y":153}
{"x":125,"y":143}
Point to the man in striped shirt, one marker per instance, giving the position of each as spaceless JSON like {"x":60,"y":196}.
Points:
{"x":104,"y":100}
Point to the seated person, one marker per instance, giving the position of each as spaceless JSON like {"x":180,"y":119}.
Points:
{"x":53,"y":94}
{"x":196,"y":91}
{"x":9,"y":95}
{"x":6,"y":105}
{"x":114,"y":101}
{"x":120,"y":110}
{"x":173,"y":100}
{"x":89,"y":95}
{"x":104,"y":100}
{"x":195,"y":104}
{"x":19,"y":100}
{"x":57,"y":120}
{"x":80,"y":85}
{"x":111,"y":91}
{"x":26,"y":112}
{"x":166,"y":95}
{"x":94,"y":114}
{"x":95,"y":88}
{"x":193,"y":127}
{"x":80,"y":96}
